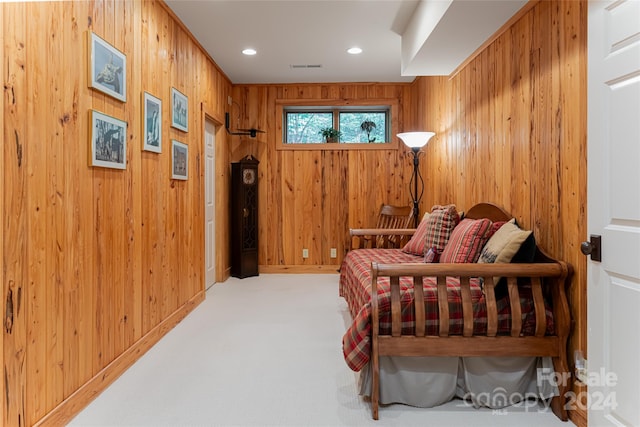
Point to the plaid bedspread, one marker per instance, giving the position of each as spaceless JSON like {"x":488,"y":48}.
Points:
{"x":355,"y":287}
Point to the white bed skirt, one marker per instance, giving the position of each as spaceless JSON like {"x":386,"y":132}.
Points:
{"x":493,"y":382}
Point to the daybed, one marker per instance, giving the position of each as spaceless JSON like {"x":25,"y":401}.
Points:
{"x":496,"y":318}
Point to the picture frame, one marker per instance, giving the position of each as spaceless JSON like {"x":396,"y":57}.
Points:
{"x":151,"y":123}
{"x":107,"y":68}
{"x":179,"y":160}
{"x":179,"y":110}
{"x":108,"y":139}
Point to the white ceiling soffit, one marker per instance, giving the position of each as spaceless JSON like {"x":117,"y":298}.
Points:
{"x":305,"y":41}
{"x":444,"y":33}
{"x":300,"y":41}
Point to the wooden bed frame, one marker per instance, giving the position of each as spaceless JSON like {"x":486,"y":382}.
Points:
{"x":548,"y":278}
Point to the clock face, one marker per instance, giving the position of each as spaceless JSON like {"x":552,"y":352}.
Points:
{"x":248,"y":176}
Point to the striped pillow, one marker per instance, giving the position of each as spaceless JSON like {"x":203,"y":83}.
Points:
{"x":442,"y":221}
{"x":415,"y":245}
{"x":466,"y":241}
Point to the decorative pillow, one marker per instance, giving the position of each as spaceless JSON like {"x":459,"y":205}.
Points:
{"x":466,"y":241}
{"x":442,"y":221}
{"x":504,"y":244}
{"x":527,"y":251}
{"x":495,"y":226}
{"x":433,"y":231}
{"x":415,"y":245}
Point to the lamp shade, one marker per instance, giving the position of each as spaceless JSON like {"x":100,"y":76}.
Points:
{"x":416,"y":139}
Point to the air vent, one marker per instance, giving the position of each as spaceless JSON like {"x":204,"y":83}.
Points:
{"x":306,"y":65}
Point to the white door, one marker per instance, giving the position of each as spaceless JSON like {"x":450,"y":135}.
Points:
{"x":209,"y":203}
{"x":613,"y":285}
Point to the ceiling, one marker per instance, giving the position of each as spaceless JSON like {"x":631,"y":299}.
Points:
{"x":304,"y":41}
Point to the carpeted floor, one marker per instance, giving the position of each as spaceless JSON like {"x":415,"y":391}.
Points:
{"x":266,"y":351}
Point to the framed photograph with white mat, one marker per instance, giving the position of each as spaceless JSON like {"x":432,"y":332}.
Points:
{"x":179,"y":110}
{"x":152,"y":123}
{"x":108,"y":138}
{"x":179,"y":160}
{"x":107,"y":68}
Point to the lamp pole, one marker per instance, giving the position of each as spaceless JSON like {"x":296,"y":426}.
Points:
{"x":414,"y":177}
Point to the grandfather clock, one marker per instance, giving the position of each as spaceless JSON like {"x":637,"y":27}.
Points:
{"x":244,"y":217}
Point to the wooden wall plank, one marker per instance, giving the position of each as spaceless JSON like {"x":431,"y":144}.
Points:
{"x":15,"y":259}
{"x":40,"y":215}
{"x":334,"y":211}
{"x":78,"y":301}
{"x":56,"y":198}
{"x":3,"y":214}
{"x":572,"y":168}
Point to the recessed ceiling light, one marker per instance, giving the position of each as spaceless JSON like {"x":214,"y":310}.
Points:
{"x":249,"y":52}
{"x":354,"y":50}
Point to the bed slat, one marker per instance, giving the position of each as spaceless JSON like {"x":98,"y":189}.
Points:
{"x":443,"y":306}
{"x":492,"y":308}
{"x":514,"y":301}
{"x":418,"y":300}
{"x":396,"y":310}
{"x":467,"y":306}
{"x":538,"y":303}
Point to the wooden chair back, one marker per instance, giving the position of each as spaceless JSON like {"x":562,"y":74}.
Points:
{"x":393,"y":217}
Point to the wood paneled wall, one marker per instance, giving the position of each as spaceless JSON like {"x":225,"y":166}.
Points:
{"x":310,"y":199}
{"x":97,"y":263}
{"x":511,"y":130}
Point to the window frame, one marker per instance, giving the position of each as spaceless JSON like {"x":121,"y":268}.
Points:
{"x":337,"y":105}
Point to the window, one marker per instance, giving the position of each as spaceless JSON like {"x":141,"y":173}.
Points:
{"x":359,"y":125}
{"x":303,"y":127}
{"x":363,"y":126}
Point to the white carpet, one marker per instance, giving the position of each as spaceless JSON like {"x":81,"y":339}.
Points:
{"x":266,"y":351}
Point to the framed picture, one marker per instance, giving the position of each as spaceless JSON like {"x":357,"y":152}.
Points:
{"x":179,"y":160}
{"x":179,"y":110}
{"x":107,"y":68}
{"x":108,"y":137}
{"x":152,"y":123}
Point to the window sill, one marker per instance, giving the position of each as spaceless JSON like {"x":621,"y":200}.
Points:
{"x":330,"y":146}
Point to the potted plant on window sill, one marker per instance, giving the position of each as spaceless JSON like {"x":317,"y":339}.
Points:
{"x":368,"y":126}
{"x":330,"y":134}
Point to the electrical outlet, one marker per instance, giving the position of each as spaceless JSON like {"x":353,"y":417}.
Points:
{"x":229,"y":100}
{"x":334,"y":253}
{"x":305,"y":253}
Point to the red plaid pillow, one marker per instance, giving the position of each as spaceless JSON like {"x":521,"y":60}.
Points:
{"x":495,"y":226}
{"x":415,"y":246}
{"x":442,"y":221}
{"x":467,"y":240}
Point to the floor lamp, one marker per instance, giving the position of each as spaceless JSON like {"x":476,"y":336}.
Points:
{"x":415,"y":141}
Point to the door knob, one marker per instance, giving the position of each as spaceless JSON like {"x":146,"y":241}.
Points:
{"x":586,"y":248}
{"x":593,"y":247}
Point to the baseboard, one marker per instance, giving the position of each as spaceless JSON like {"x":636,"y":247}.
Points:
{"x":72,"y":405}
{"x":299,"y":269}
